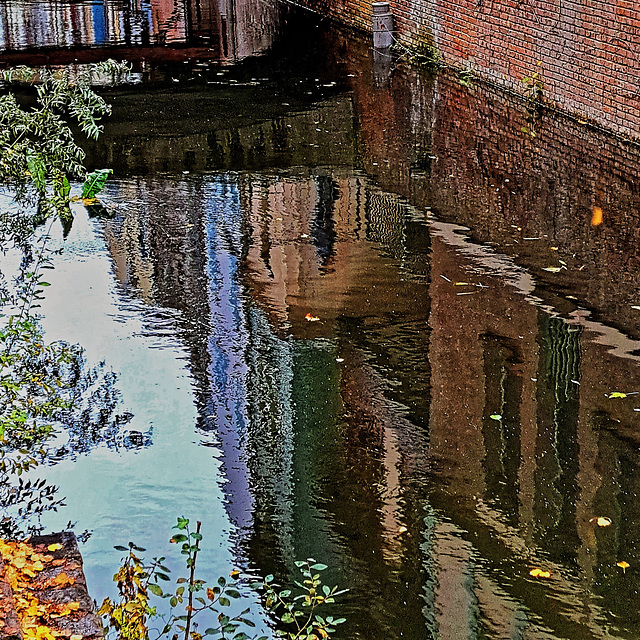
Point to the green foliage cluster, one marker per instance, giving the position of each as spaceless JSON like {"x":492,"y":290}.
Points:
{"x":131,"y":615}
{"x":534,"y":97}
{"x":424,"y":55}
{"x":38,"y":157}
{"x":39,"y":154}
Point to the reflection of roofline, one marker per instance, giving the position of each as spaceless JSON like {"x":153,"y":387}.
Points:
{"x":97,"y":54}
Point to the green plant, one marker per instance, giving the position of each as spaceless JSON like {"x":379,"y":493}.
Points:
{"x":131,"y":615}
{"x":466,"y":77}
{"x":534,"y":100}
{"x":298,"y":613}
{"x":38,"y":380}
{"x":38,"y":151}
{"x":424,"y":54}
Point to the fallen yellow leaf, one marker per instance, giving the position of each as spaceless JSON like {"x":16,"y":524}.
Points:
{"x":54,"y":547}
{"x":601,"y":521}
{"x":539,"y":573}
{"x":623,"y":565}
{"x":311,"y":318}
{"x":596,"y":217}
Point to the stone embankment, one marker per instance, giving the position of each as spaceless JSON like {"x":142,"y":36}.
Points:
{"x":43,"y":591}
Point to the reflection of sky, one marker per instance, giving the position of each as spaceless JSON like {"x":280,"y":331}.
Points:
{"x":250,"y":377}
{"x":228,"y":341}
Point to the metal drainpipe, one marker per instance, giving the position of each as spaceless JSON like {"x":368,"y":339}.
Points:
{"x":382,"y":25}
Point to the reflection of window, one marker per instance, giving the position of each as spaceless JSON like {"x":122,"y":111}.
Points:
{"x":557,"y":436}
{"x":501,"y":433}
{"x":323,"y":230}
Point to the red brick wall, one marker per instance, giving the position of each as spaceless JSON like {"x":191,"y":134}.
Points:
{"x":589,"y":50}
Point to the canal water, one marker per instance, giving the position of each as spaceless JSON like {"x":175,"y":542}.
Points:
{"x":354,"y":313}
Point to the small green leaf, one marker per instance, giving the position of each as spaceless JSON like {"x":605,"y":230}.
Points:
{"x":155,"y":589}
{"x":179,"y":537}
{"x":93,"y":184}
{"x":495,"y":416}
{"x":38,"y":172}
{"x":318,"y":566}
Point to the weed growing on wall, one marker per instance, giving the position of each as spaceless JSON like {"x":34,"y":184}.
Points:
{"x":534,"y":97}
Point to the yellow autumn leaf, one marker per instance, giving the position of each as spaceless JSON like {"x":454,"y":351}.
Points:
{"x":539,"y":573}
{"x":601,"y":521}
{"x":623,"y":565}
{"x":44,"y":633}
{"x":596,"y":217}
{"x":311,"y":318}
{"x":55,"y":547}
{"x":76,"y":636}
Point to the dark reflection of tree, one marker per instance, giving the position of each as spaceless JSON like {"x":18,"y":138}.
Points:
{"x":503,"y":394}
{"x":90,"y":415}
{"x":557,"y":440}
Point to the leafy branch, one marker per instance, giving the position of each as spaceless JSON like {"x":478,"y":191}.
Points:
{"x":129,"y":617}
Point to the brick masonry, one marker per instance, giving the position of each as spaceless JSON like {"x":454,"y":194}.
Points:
{"x":588,"y":51}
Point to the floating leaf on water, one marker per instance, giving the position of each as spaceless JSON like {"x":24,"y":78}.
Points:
{"x":552,"y":269}
{"x":495,"y":416}
{"x":311,"y":318}
{"x":623,"y":565}
{"x":601,"y":521}
{"x":617,"y":394}
{"x":539,"y":573}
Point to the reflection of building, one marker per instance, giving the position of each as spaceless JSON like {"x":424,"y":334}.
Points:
{"x":440,"y":464}
{"x":234,"y":29}
{"x":467,"y":435}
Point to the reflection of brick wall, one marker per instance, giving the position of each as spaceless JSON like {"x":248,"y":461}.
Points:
{"x":462,"y":154}
{"x":589,"y":50}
